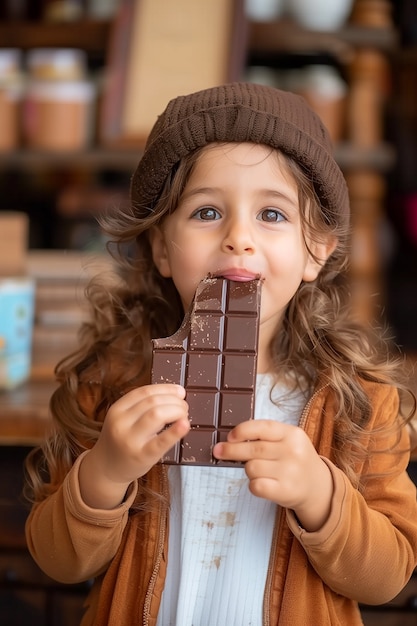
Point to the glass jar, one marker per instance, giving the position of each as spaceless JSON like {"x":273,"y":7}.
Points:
{"x":59,"y":100}
{"x":58,"y":114}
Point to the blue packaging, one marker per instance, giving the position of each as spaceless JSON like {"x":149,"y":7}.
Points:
{"x":17,"y":303}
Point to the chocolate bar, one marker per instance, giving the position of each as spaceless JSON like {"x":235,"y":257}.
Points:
{"x":214,"y":356}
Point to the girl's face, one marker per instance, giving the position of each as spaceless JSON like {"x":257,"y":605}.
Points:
{"x":239,"y":217}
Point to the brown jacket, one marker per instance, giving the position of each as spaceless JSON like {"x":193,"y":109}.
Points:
{"x":365,"y":552}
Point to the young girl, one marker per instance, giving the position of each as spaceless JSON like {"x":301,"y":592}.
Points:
{"x":236,"y":181}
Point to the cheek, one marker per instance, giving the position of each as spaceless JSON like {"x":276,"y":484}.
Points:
{"x":182,"y":259}
{"x":189,"y":252}
{"x":188,"y":267}
{"x":289,"y":257}
{"x":180,"y":244}
{"x":186,"y":290}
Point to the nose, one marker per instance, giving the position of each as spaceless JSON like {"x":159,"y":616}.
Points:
{"x":238,"y":239}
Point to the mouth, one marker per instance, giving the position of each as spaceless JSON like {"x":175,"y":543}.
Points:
{"x":237,"y":274}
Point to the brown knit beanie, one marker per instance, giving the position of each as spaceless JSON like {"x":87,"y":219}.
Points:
{"x":241,"y":112}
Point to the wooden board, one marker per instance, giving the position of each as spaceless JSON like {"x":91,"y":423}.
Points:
{"x":161,"y":49}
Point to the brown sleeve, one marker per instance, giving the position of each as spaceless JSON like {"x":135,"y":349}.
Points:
{"x":71,"y":541}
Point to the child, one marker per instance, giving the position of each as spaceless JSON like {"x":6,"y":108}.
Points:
{"x":236,"y":181}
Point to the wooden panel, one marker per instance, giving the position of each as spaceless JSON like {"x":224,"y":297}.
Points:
{"x":24,"y":417}
{"x":27,"y":596}
{"x":385,"y":618}
{"x":91,"y":36}
{"x":160,"y":50}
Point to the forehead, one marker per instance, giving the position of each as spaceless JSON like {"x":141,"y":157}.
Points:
{"x":244,"y":154}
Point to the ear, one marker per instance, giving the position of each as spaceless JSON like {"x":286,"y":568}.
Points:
{"x":159,"y":251}
{"x":318,"y":255}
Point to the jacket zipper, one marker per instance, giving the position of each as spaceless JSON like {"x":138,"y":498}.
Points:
{"x":306,"y":410}
{"x":161,"y":543}
{"x":267,"y":595}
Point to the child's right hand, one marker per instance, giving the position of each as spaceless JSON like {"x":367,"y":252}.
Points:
{"x":134,"y":437}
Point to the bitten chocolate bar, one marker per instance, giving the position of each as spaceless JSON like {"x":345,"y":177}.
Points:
{"x":213,"y":355}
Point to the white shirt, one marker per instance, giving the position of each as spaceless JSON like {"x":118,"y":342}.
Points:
{"x":220,"y":536}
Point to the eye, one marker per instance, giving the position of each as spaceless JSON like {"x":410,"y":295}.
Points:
{"x":206,"y":213}
{"x":271,"y":215}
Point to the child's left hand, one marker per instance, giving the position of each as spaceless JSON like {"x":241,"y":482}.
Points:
{"x":282,"y":466}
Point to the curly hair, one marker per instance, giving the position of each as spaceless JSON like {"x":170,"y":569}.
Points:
{"x":319,"y":339}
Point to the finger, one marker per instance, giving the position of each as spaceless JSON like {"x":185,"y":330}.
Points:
{"x":273,"y":481}
{"x":284,"y":493}
{"x":146,"y":401}
{"x":267,"y":488}
{"x":260,"y":468}
{"x":144,"y":420}
{"x":159,"y":445}
{"x":264,"y":479}
{"x":139,"y":394}
{"x":153,"y":418}
{"x":247,"y":450}
{"x":267,"y":430}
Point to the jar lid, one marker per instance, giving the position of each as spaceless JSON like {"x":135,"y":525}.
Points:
{"x":60,"y":91}
{"x":325,"y":81}
{"x":10,"y":62}
{"x":57,"y":63}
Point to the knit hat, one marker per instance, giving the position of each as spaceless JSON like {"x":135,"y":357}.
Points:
{"x":241,"y":112}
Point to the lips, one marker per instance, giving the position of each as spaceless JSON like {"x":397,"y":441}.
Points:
{"x":238,"y":274}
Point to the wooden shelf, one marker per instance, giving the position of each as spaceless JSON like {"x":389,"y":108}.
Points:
{"x":94,"y":158}
{"x":349,"y":157}
{"x":286,"y":37}
{"x":281,"y":36}
{"x":379,"y":158}
{"x":24,"y":414}
{"x":89,"y":35}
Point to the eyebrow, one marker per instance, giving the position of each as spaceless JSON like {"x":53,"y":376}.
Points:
{"x":280,"y":195}
{"x":200,"y":191}
{"x":263,"y":192}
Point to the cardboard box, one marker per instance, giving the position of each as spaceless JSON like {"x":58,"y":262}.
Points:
{"x":17,"y":300}
{"x":60,"y":304}
{"x":14,"y":229}
{"x":159,"y":50}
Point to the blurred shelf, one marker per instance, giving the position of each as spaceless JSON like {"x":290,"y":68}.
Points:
{"x":286,"y":37}
{"x":280,"y":36}
{"x":89,"y":35}
{"x":379,"y":158}
{"x":407,"y":55}
{"x":117,"y":159}
{"x":24,"y":413}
